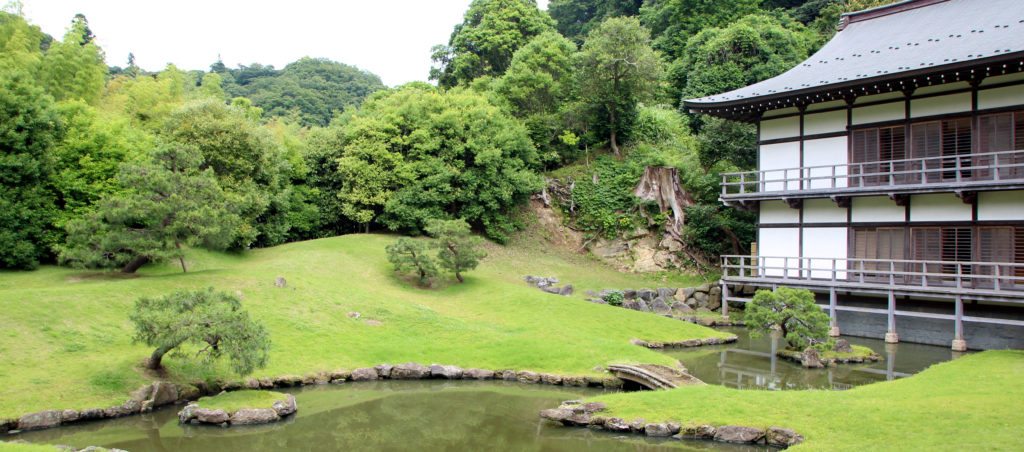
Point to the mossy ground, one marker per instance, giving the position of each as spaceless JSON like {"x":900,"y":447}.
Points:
{"x":237,"y":400}
{"x":65,"y":337}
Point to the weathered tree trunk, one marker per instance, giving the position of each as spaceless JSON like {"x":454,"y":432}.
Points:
{"x":458,"y":276}
{"x":613,"y":139}
{"x":156,"y":359}
{"x":661,"y":185}
{"x":135,"y":264}
{"x":181,"y":257}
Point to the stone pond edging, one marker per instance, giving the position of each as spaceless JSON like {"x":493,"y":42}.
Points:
{"x":576,"y":413}
{"x":193,"y":413}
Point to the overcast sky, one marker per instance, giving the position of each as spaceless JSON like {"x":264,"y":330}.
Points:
{"x":391,"y":38}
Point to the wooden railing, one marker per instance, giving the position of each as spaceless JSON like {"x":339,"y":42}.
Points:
{"x":1007,"y":166}
{"x":920,"y":275}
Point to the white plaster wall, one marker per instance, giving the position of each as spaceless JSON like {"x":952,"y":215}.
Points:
{"x":825,"y":105}
{"x":780,"y":112}
{"x":776,"y":244}
{"x":877,"y":113}
{"x":875,"y":209}
{"x":825,"y":244}
{"x":825,"y":152}
{"x":939,"y":105}
{"x":996,"y":79}
{"x":780,"y":156}
{"x":941,"y":88}
{"x":878,"y":97}
{"x":823,"y":211}
{"x":780,"y":128}
{"x":939,"y":207}
{"x":775,"y":212}
{"x":829,"y":121}
{"x":1001,"y":97}
{"x":1001,"y":206}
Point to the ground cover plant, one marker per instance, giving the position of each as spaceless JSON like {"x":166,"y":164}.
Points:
{"x":66,"y":338}
{"x":977,"y":395}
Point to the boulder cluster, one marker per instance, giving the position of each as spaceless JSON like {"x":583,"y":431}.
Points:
{"x":577,"y":413}
{"x":142,"y":400}
{"x":414,"y":371}
{"x":195,"y":414}
{"x":547,"y":284}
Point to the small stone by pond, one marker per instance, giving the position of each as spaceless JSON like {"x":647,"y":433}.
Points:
{"x":246,"y":407}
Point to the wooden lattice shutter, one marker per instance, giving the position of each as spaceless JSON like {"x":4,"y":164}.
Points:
{"x":956,"y":142}
{"x":996,"y":135}
{"x":864,"y":149}
{"x":926,"y":245}
{"x":926,"y":144}
{"x":995,"y":244}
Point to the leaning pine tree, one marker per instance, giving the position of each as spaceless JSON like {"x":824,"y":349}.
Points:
{"x":214,"y":322}
{"x":171,"y":203}
{"x":411,"y":255}
{"x":458,"y":249}
{"x":791,"y":311}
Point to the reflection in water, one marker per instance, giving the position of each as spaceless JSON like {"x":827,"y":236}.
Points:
{"x":391,"y":415}
{"x":752,"y":364}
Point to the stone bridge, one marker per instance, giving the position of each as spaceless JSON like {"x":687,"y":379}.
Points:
{"x":653,"y":376}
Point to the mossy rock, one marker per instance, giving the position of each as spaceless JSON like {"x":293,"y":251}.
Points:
{"x":239,"y":408}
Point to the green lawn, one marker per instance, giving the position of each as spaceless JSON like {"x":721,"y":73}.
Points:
{"x":237,"y":400}
{"x":972,"y":403}
{"x":65,"y":338}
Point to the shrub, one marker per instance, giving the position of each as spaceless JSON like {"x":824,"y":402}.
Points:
{"x":614,"y":298}
{"x":792,"y":311}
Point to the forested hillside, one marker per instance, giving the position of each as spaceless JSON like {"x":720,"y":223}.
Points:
{"x":115,"y":167}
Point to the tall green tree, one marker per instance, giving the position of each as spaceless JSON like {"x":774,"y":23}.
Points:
{"x":74,"y":68}
{"x":483,"y":44}
{"x":416,"y":153}
{"x":173,"y":204}
{"x":673,"y":22}
{"x":537,"y":86}
{"x":618,"y":69}
{"x":575,"y":18}
{"x":212,"y":322}
{"x":459,"y":250}
{"x":410,"y":255}
{"x":29,"y":127}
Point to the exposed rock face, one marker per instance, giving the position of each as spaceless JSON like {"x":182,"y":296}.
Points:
{"x":208,"y":416}
{"x":384,"y":370}
{"x":661,"y":429}
{"x":528,"y":377}
{"x":249,"y":416}
{"x":782,"y":437}
{"x":365,"y":374}
{"x":811,"y":359}
{"x":70,"y":416}
{"x":410,"y":371}
{"x":843,"y":346}
{"x":738,"y":434}
{"x":616,"y":425}
{"x":449,"y":372}
{"x":40,"y":420}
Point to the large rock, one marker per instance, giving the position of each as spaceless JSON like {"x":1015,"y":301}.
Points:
{"x":681,"y":309}
{"x":410,"y":371}
{"x":665,"y":292}
{"x":478,"y":374}
{"x":661,"y":430}
{"x":449,"y":372}
{"x":714,"y":302}
{"x":250,"y":416}
{"x":811,"y":359}
{"x":556,"y":414}
{"x":384,"y":370}
{"x":782,"y":437}
{"x":642,"y":306}
{"x":551,"y":379}
{"x":659,"y":306}
{"x":286,"y":407}
{"x":703,"y":431}
{"x":628,"y":294}
{"x":631,"y":304}
{"x":616,"y":425}
{"x":365,"y":374}
{"x":526,"y":376}
{"x":40,"y":420}
{"x":843,"y":346}
{"x":164,"y":394}
{"x":67,"y":416}
{"x":646,"y":294}
{"x":208,"y":416}
{"x":574,"y":381}
{"x":738,"y":434}
{"x":701,"y":297}
{"x":552,"y":290}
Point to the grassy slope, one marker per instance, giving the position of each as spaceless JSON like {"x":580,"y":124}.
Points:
{"x":972,"y":403}
{"x":65,"y":340}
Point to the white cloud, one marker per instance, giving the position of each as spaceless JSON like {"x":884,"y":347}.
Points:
{"x":391,"y":38}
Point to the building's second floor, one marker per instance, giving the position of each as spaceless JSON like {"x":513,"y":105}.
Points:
{"x":949,"y":138}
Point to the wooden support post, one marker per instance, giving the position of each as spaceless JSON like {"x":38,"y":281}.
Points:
{"x":891,"y":337}
{"x":959,"y":344}
{"x":833,"y":316}
{"x":725,"y":301}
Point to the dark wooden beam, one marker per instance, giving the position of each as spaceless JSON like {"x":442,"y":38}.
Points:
{"x":841,"y":201}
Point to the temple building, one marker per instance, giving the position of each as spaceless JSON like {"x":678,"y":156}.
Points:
{"x":890,"y":174}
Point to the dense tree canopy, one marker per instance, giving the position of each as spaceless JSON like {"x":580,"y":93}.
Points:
{"x":575,"y":18}
{"x":490,"y":33}
{"x":416,"y":153}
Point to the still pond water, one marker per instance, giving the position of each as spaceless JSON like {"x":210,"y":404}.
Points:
{"x":468,"y":415}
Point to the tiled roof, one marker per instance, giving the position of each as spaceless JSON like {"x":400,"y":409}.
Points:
{"x":903,"y":39}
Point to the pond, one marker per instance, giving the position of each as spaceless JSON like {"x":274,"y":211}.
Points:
{"x":388,"y":415}
{"x":750,"y":363}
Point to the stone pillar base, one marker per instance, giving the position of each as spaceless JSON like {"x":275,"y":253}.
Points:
{"x":833,"y":332}
{"x":959,"y":345}
{"x":892,"y":338}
